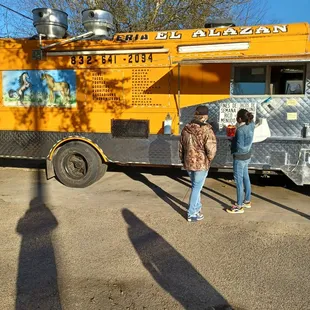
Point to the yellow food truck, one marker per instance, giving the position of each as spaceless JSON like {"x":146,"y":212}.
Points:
{"x":97,"y":98}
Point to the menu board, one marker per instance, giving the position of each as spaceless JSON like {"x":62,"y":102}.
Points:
{"x":229,"y":110}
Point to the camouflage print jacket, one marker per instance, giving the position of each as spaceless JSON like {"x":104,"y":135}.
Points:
{"x":197,"y":146}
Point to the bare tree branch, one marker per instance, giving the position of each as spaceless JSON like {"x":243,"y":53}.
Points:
{"x":144,"y":15}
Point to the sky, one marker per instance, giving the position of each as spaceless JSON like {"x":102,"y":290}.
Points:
{"x":289,"y":11}
{"x":279,"y":11}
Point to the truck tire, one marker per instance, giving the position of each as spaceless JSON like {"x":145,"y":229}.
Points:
{"x":101,"y":171}
{"x":77,"y":164}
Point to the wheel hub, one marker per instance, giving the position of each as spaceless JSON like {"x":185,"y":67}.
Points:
{"x":76,"y":166}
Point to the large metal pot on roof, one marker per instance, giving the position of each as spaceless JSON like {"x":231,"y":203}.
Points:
{"x":219,"y":23}
{"x":98,"y":21}
{"x":50,"y":22}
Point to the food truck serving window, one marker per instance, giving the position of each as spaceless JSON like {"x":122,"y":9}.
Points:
{"x":249,"y":80}
{"x":269,"y":79}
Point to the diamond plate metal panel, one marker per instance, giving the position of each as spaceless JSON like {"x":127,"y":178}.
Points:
{"x":270,"y":154}
{"x":300,"y":172}
{"x":156,"y":150}
{"x":275,"y":111}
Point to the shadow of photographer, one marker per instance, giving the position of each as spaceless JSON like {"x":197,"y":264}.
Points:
{"x":170,"y":269}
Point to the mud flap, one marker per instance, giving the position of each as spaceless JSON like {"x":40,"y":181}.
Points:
{"x":50,"y":173}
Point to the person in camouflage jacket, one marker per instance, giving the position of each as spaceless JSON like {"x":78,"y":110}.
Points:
{"x":197,"y":148}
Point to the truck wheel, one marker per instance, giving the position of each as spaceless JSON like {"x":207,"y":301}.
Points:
{"x":101,"y":171}
{"x":77,"y":164}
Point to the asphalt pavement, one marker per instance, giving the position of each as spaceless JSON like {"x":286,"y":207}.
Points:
{"x":124,"y":243}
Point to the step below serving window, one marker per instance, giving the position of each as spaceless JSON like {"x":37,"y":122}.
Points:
{"x":268,"y":80}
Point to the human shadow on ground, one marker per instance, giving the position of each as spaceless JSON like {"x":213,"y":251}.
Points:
{"x":187,"y":183}
{"x":170,"y":269}
{"x":36,"y":286}
{"x":260,"y":180}
{"x":307,"y":216}
{"x":184,"y":181}
{"x":175,"y":203}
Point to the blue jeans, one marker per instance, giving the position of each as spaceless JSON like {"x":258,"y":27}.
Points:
{"x":242,"y":179}
{"x":198,"y":180}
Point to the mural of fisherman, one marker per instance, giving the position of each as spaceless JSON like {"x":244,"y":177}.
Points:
{"x":47,"y":88}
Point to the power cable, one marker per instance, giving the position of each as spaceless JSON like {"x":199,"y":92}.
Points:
{"x":16,"y":12}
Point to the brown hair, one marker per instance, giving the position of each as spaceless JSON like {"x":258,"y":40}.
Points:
{"x":245,"y":116}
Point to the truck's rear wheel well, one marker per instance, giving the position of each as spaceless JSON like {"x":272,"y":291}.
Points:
{"x":50,"y":173}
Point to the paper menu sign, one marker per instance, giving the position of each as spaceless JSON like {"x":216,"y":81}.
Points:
{"x":291,"y":102}
{"x":292,"y":116}
{"x":229,"y":110}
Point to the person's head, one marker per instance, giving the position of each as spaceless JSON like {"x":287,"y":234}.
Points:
{"x":201,"y":113}
{"x":244,"y":116}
